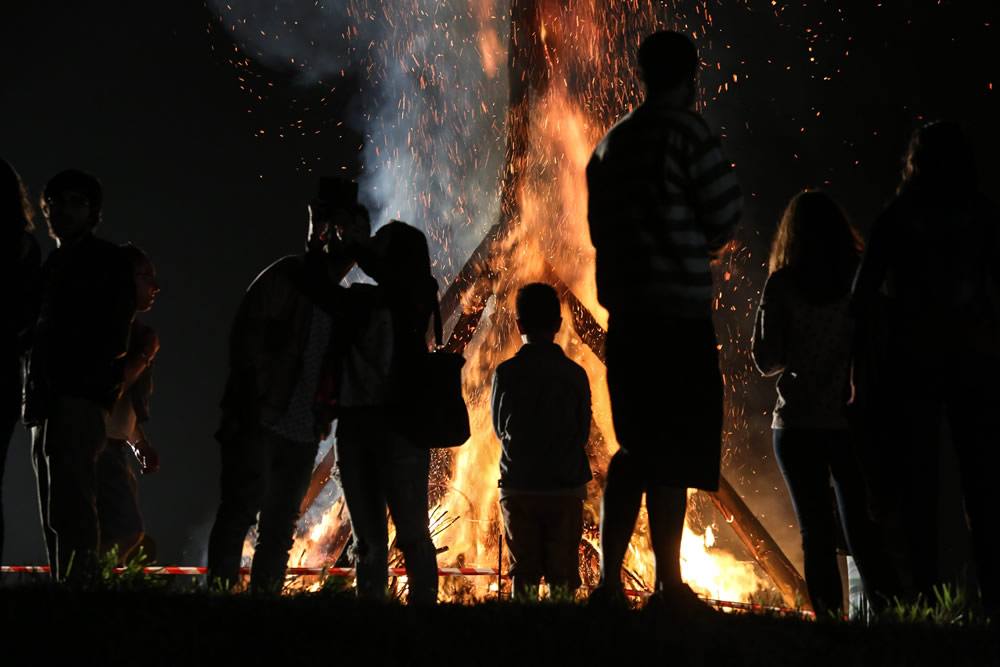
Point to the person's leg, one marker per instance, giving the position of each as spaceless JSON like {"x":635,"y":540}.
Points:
{"x":291,"y":470}
{"x":864,"y":540}
{"x":10,"y":415}
{"x":807,"y":474}
{"x":117,"y":501}
{"x":691,"y":397}
{"x":244,"y":482}
{"x":405,"y":477}
{"x":918,"y":504}
{"x":40,"y":463}
{"x":969,"y":417}
{"x":561,"y":541}
{"x":909,"y":418}
{"x":619,"y":511}
{"x":7,"y":425}
{"x":74,"y":439}
{"x":666,"y":507}
{"x":366,"y":506}
{"x":523,"y":535}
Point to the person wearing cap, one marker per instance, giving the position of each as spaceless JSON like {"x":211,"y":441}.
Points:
{"x":663,"y":201}
{"x":280,"y":351}
{"x":75,"y":369}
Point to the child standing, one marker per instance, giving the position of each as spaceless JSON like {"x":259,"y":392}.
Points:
{"x":541,"y":413}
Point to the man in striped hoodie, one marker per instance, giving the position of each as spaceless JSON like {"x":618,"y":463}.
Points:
{"x":663,"y":202}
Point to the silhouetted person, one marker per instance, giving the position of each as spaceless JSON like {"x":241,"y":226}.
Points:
{"x":118,"y":491}
{"x":19,"y":287}
{"x":75,"y":369}
{"x":272,"y":420}
{"x":931,"y":270}
{"x":541,"y":414}
{"x":378,"y":465}
{"x":662,"y":199}
{"x":803,"y":333}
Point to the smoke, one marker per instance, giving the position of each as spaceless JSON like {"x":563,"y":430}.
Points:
{"x":431,"y":106}
{"x":311,"y":39}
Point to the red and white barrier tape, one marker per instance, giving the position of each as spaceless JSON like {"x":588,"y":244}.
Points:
{"x":296,"y":571}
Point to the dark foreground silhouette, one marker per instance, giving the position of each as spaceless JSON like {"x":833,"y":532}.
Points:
{"x":163,"y":628}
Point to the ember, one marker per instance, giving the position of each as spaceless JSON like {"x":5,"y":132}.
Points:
{"x":564,"y":90}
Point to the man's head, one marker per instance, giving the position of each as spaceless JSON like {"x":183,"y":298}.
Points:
{"x":146,"y":287}
{"x":668,"y":63}
{"x":71,"y":203}
{"x":335,"y":214}
{"x":539,"y":313}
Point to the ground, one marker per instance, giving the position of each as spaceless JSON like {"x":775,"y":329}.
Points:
{"x":44,"y":625}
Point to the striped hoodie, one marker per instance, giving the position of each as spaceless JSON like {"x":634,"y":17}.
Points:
{"x":662,"y":197}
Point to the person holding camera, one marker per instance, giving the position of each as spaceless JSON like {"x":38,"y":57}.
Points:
{"x":382,"y":467}
{"x":277,"y":407}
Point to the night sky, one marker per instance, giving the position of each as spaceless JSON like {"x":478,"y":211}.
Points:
{"x":148,"y":101}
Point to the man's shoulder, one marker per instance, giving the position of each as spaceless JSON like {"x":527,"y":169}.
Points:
{"x":504,"y":368}
{"x":106,"y":257}
{"x":104,"y":250}
{"x":285,"y":265}
{"x":649,"y":121}
{"x":282,"y":269}
{"x":96,"y":244}
{"x":575,"y":371}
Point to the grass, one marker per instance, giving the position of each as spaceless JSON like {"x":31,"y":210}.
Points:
{"x":136,"y":624}
{"x":951,"y":606}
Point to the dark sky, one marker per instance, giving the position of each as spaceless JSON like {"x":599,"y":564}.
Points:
{"x":146,"y":100}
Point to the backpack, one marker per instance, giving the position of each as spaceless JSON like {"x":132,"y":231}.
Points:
{"x":431,"y":410}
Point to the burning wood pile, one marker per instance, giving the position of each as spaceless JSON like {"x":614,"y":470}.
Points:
{"x":563,"y":94}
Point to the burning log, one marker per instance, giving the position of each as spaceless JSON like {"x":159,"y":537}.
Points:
{"x":760,"y":544}
{"x":485,"y":274}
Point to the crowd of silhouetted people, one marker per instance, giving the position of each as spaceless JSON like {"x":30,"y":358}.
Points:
{"x":877,"y":349}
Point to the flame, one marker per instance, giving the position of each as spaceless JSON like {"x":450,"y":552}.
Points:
{"x":491,"y":52}
{"x":549,"y":229}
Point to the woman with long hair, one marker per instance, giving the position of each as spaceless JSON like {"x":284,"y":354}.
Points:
{"x":20,"y":263}
{"x":380,"y":466}
{"x":803,"y":334}
{"x":930,"y":281}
